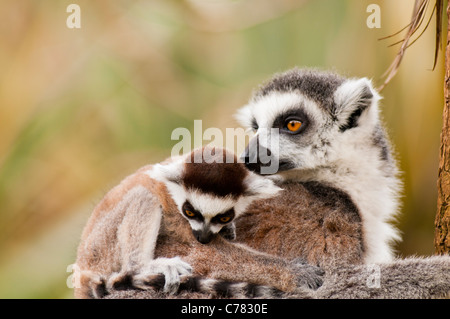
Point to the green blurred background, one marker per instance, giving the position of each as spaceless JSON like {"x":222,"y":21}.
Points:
{"x":82,"y":108}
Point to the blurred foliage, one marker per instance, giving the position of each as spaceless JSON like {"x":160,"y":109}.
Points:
{"x":82,"y":108}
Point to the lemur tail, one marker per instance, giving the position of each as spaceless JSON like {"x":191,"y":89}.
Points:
{"x":94,"y":286}
{"x":409,"y":278}
{"x":218,"y":288}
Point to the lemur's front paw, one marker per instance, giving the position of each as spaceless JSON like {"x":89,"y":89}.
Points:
{"x":228,"y":232}
{"x":309,"y":276}
{"x":171,"y":268}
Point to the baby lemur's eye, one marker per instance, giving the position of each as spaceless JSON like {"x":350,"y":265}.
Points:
{"x":189,"y":213}
{"x":293,"y":126}
{"x":225,"y":219}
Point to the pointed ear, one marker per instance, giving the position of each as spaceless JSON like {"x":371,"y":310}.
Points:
{"x":244,"y":116}
{"x":170,"y":172}
{"x":259,"y":187}
{"x":354,"y":100}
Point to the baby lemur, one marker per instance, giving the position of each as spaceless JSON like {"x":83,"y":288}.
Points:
{"x":164,"y":219}
{"x":340,"y":190}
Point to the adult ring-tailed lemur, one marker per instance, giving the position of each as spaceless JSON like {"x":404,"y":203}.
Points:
{"x":340,"y":190}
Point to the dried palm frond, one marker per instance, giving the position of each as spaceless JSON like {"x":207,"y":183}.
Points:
{"x":418,"y":17}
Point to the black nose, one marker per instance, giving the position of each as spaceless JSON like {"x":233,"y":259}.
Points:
{"x":256,"y":156}
{"x":203,"y":237}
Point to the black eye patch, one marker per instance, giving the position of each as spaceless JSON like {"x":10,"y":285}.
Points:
{"x":224,"y":218}
{"x":254,"y":124}
{"x":284,"y":118}
{"x":190,"y":212}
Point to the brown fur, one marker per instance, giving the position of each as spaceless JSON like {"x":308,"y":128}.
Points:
{"x":219,"y":177}
{"x":304,"y":225}
{"x":318,"y":223}
{"x":99,"y":252}
{"x":116,"y":239}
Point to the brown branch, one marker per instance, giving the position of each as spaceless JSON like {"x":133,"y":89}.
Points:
{"x":442,"y":222}
{"x":439,"y":15}
{"x":419,"y":12}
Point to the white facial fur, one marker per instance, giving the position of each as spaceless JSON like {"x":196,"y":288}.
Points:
{"x":320,"y":144}
{"x":265,"y":111}
{"x":208,"y":204}
{"x":347,"y":159}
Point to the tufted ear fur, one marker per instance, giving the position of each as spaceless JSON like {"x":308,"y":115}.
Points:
{"x":244,"y":116}
{"x":353,"y":102}
{"x":170,"y":172}
{"x":259,"y":187}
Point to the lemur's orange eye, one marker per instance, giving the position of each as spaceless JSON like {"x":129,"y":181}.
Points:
{"x":225,"y":219}
{"x":189,"y":213}
{"x":294,"y":125}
